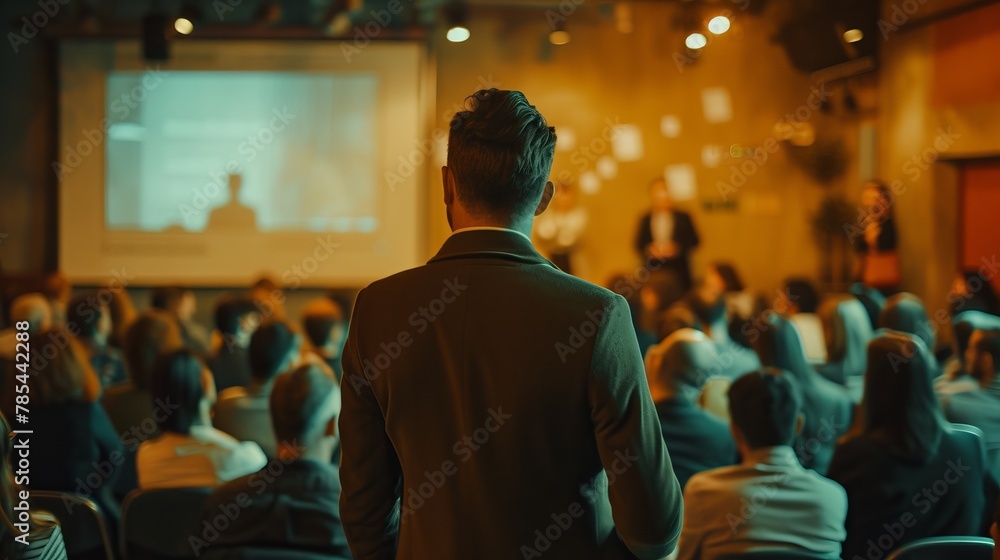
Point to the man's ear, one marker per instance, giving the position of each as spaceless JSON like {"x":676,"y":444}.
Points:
{"x":448,"y":182}
{"x":546,"y":197}
{"x":800,"y":423}
{"x":331,"y":428}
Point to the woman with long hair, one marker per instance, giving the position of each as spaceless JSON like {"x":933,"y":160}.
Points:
{"x":877,"y":243}
{"x":906,"y":467}
{"x":846,"y":331}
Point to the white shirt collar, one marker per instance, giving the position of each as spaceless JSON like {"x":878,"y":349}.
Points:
{"x":490,"y":228}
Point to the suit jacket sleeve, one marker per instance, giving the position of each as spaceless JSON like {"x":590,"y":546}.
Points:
{"x":643,"y":236}
{"x":645,"y":497}
{"x":369,"y":467}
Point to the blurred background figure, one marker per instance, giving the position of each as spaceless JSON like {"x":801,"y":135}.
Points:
{"x":558,"y":230}
{"x":666,"y":236}
{"x":91,"y":323}
{"x":877,"y":245}
{"x":244,"y":412}
{"x":236,"y":319}
{"x":57,"y":290}
{"x":325,"y":327}
{"x":676,"y":370}
{"x":181,"y":304}
{"x":847,"y":331}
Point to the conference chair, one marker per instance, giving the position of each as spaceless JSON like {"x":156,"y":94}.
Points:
{"x":159,"y":524}
{"x":946,"y":548}
{"x":84,"y":530}
{"x":776,"y":555}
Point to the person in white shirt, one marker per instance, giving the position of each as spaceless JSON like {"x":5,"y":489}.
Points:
{"x":769,"y":502}
{"x":190,"y":452}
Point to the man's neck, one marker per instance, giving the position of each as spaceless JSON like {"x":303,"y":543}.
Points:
{"x":523,"y":226}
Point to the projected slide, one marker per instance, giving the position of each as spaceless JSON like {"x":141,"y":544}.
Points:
{"x":230,"y":152}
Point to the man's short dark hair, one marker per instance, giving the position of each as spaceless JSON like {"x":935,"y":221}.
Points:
{"x":177,"y":379}
{"x":802,"y":293}
{"x":500,"y":151}
{"x":83,"y":314}
{"x":167,"y":298}
{"x":764,"y":405}
{"x":298,"y":400}
{"x":269,"y":349}
{"x":230,"y":310}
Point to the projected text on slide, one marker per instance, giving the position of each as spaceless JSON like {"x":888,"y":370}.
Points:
{"x":229,"y":152}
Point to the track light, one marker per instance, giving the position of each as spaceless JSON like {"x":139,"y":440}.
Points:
{"x":718,"y":25}
{"x":186,"y":20}
{"x":559,"y":35}
{"x":695,"y":41}
{"x":853,"y":35}
{"x":455,"y":15}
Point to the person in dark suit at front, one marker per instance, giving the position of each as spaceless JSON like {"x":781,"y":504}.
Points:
{"x":494,"y":406}
{"x":907,"y":474}
{"x":666,"y":236}
{"x":298,"y":509}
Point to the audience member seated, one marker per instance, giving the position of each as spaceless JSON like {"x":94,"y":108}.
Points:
{"x":871,"y":298}
{"x":236,"y":318}
{"x":722,"y":278}
{"x":905,"y":452}
{"x":300,"y":508}
{"x":801,"y":303}
{"x":90,"y":321}
{"x":662,"y":289}
{"x":34,"y":309}
{"x":955,"y":376}
{"x":244,"y":412}
{"x":130,"y":405}
{"x":181,"y":304}
{"x":847,"y":332}
{"x":904,"y":312}
{"x":676,"y":369}
{"x":768,"y":502}
{"x":973,"y":291}
{"x":43,"y":540}
{"x":981,"y":407}
{"x":189,"y":451}
{"x":712,"y":317}
{"x":74,"y":447}
{"x":57,"y":290}
{"x":630,"y":288}
{"x":123,"y":314}
{"x":827,"y":407}
{"x":268,"y":299}
{"x":325,"y":327}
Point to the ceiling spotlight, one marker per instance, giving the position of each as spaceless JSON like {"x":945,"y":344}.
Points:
{"x":695,"y":41}
{"x":853,"y":35}
{"x":183,"y":26}
{"x":455,"y":15}
{"x":718,"y":25}
{"x":559,"y":35}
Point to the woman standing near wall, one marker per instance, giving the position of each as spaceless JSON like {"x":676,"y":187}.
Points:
{"x":877,"y":247}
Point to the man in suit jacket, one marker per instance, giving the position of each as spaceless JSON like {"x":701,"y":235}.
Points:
{"x":666,"y":236}
{"x":495,"y":407}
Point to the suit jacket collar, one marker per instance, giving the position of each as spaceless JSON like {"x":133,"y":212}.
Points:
{"x":489,"y":243}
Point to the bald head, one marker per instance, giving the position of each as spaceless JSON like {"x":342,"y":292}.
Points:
{"x":305,"y":404}
{"x":681,"y":362}
{"x":33,"y":308}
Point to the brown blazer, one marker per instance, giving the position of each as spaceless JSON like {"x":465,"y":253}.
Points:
{"x":485,"y":395}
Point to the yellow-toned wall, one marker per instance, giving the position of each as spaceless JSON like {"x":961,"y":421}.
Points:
{"x":633,"y":78}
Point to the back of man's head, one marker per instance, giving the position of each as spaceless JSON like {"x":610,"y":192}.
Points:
{"x":319,"y":318}
{"x":304,"y":403}
{"x":84,"y":315}
{"x":764,"y":406}
{"x":500,"y":152}
{"x":167,"y":298}
{"x":230,"y":312}
{"x":33,"y":308}
{"x":271,"y":348}
{"x":682,"y":362}
{"x":987,"y":352}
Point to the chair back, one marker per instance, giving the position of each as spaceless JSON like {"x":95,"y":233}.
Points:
{"x":84,"y":530}
{"x":946,"y":548}
{"x":263,"y":553}
{"x":158,"y":524}
{"x":776,"y":555}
